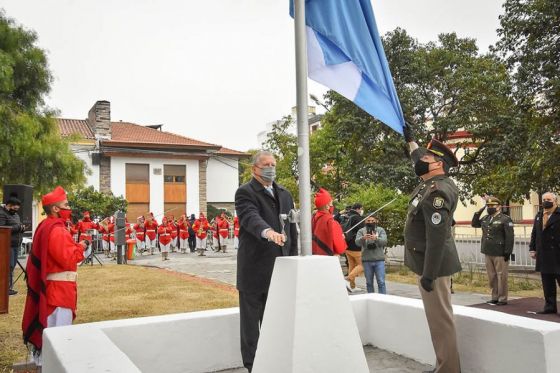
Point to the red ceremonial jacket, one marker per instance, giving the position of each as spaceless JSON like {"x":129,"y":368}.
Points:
{"x":83,"y":226}
{"x":164,"y":234}
{"x":151,"y":229}
{"x":53,"y":251}
{"x":328,"y":237}
{"x":139,"y":230}
{"x":200,"y":227}
{"x":222,"y":226}
{"x":236,"y":226}
{"x":183,"y":229}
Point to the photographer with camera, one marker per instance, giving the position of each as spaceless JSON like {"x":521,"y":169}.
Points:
{"x":10,"y":218}
{"x":373,"y":239}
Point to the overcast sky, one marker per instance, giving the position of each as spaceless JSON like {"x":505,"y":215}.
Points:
{"x":214,"y":70}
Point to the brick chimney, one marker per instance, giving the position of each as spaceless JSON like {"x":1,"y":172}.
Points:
{"x":99,"y":119}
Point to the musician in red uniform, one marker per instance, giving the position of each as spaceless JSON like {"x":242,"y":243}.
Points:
{"x":328,"y":238}
{"x":85,"y":228}
{"x":139,"y":234}
{"x":221,"y":231}
{"x":183,"y":226}
{"x":151,"y":226}
{"x":51,"y":273}
{"x":236,"y":233}
{"x":164,"y":233}
{"x":201,"y":227}
{"x":174,"y":232}
{"x":111,"y":231}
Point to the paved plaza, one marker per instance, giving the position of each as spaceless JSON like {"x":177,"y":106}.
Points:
{"x":222,"y":267}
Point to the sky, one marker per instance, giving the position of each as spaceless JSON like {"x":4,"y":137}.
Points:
{"x":213,"y":70}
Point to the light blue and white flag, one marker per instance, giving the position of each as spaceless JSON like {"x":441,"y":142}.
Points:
{"x":345,"y":53}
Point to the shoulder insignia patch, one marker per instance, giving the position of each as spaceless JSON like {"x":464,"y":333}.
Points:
{"x":438,"y":202}
{"x":436,"y":218}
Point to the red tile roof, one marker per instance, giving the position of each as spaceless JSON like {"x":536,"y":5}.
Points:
{"x":130,"y":133}
{"x":124,"y":132}
{"x":226,"y":151}
{"x":75,"y":126}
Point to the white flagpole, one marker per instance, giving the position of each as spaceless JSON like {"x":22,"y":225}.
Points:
{"x":302,"y":128}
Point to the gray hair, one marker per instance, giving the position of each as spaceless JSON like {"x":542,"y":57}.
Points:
{"x":261,"y":153}
{"x":554,"y":197}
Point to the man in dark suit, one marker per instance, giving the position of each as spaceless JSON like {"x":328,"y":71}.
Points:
{"x":545,"y":247}
{"x":263,"y":236}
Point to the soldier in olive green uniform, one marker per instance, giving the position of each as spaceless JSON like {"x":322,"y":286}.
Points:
{"x":430,"y":250}
{"x":497,"y":246}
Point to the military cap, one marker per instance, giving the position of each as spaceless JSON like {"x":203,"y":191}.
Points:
{"x":438,"y":148}
{"x":493,"y":201}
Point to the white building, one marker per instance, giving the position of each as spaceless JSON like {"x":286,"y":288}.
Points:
{"x":156,"y":171}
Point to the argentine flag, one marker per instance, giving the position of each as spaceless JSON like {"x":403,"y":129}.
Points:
{"x":345,"y":53}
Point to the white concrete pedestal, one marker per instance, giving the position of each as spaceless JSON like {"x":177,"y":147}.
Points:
{"x":308,"y":323}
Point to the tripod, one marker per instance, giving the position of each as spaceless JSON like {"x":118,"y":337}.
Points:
{"x":23,"y":272}
{"x":91,"y":256}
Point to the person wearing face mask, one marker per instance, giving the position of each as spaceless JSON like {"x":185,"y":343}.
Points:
{"x":263,"y":236}
{"x":51,"y":272}
{"x":10,"y":218}
{"x":354,"y":252}
{"x":430,"y":250}
{"x":373,"y":239}
{"x":328,"y":238}
{"x":545,"y":248}
{"x":497,"y":246}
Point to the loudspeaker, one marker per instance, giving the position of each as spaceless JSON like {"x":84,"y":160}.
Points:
{"x":25,"y":194}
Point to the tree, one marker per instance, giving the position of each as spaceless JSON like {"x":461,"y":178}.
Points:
{"x":530,"y":45}
{"x":31,"y":149}
{"x":97,"y":203}
{"x":444,"y":87}
{"x":373,"y":196}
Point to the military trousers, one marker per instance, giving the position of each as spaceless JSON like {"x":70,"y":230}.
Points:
{"x":497,"y":269}
{"x":439,"y":313}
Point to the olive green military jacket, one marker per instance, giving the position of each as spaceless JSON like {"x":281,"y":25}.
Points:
{"x":428,"y":238}
{"x":497,"y":233}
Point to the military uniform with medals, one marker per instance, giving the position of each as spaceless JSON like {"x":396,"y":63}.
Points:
{"x":430,"y":252}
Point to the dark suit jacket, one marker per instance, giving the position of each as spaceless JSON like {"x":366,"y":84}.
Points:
{"x":258,"y":210}
{"x":547,"y":243}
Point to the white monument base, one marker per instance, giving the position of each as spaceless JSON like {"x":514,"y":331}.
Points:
{"x":308,"y":323}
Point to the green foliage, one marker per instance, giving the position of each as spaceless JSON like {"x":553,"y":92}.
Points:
{"x":31,"y":149}
{"x":97,"y":203}
{"x":392,"y":218}
{"x":245,"y":167}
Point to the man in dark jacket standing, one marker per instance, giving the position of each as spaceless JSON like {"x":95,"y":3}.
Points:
{"x":10,"y":218}
{"x":354,"y":252}
{"x":497,"y":246}
{"x":545,"y":247}
{"x":263,"y":236}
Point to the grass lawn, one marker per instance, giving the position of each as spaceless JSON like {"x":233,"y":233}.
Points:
{"x":474,"y":280}
{"x":116,"y":292}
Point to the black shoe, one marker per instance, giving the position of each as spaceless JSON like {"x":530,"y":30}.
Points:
{"x":12,"y":292}
{"x":501,"y":303}
{"x":546,"y":312}
{"x":492,"y":302}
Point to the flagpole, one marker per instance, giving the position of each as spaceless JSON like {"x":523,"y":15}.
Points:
{"x":302,"y":128}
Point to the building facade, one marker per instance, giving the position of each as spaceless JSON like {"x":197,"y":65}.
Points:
{"x":155,"y":171}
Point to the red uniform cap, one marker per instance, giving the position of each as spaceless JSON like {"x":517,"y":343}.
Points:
{"x":57,"y":195}
{"x":322,"y":198}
